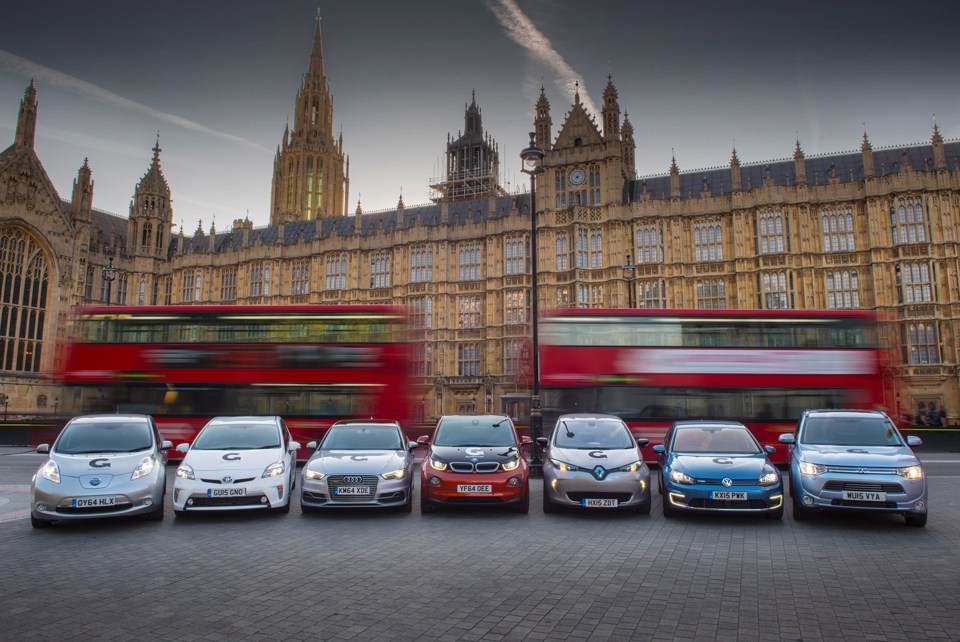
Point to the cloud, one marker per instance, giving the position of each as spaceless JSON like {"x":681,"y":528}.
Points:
{"x":519,"y":28}
{"x":88,"y":90}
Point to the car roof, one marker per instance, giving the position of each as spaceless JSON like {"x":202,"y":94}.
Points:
{"x":707,"y":423}
{"x":844,"y":411}
{"x":367,"y":422}
{"x":110,"y":417}
{"x":589,"y":415}
{"x":246,"y":419}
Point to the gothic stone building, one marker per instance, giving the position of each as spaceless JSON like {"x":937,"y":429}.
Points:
{"x":871,"y":229}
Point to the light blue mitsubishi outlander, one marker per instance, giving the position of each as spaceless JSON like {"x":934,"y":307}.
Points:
{"x":856,"y":460}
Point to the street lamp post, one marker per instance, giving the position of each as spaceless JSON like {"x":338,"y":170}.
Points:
{"x":56,"y":403}
{"x":629,"y":272}
{"x":532,"y":158}
{"x":109,"y":274}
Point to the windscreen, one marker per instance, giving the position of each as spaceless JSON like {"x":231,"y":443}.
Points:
{"x":362,"y":438}
{"x":592,"y":433}
{"x":713,"y":439}
{"x":846,"y":430}
{"x":237,"y":436}
{"x":475,"y":431}
{"x":81,"y":437}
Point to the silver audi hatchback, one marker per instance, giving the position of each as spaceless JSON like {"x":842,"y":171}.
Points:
{"x":101,"y":466}
{"x":593,"y":461}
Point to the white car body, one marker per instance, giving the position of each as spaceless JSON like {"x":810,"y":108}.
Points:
{"x":234,"y":478}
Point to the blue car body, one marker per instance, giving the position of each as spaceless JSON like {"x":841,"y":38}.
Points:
{"x":855,"y":460}
{"x":732,"y":474}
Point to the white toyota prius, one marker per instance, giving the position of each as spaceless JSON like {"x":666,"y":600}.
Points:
{"x":237,"y":463}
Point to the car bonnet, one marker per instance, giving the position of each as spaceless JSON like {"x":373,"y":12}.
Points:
{"x":104,"y":463}
{"x":357,"y":461}
{"x":607,"y":457}
{"x":711,"y":465}
{"x":878,"y":456}
{"x":475,"y":454}
{"x":253,"y":461}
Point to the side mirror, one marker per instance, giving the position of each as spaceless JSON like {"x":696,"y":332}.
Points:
{"x":312,"y":445}
{"x":787,"y":438}
{"x":913,"y":441}
{"x":294,"y":446}
{"x":412,"y":444}
{"x":542,"y":442}
{"x":770,"y":449}
{"x":423,"y":439}
{"x":43,"y":449}
{"x":166,"y":444}
{"x":526,"y":440}
{"x":183,"y":448}
{"x":643,"y":442}
{"x":659,"y":449}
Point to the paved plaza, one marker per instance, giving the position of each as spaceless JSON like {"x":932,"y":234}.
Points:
{"x":480,"y":574}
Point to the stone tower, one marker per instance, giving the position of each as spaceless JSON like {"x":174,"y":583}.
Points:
{"x":473,"y":162}
{"x":309,"y":176}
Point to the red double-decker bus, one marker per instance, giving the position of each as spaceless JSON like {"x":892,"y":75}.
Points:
{"x":762,"y":368}
{"x":310,"y":364}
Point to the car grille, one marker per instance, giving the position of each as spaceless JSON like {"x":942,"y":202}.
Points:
{"x":469,"y":467}
{"x":370,"y":481}
{"x":235,"y":481}
{"x":243,"y":500}
{"x":719,"y":481}
{"x":93,"y":510}
{"x":621,"y":497}
{"x":835,"y":484}
{"x":700,"y":502}
{"x":850,"y":502}
{"x":861,"y":470}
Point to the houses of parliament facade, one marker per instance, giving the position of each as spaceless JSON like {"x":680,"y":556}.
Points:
{"x":875,"y":229}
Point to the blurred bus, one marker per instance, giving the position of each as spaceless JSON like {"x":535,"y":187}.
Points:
{"x":310,"y":364}
{"x":759,"y":367}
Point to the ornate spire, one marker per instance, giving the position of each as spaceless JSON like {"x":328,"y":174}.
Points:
{"x":865,"y":144}
{"x":576,"y":92}
{"x":400,"y":204}
{"x":153,"y":182}
{"x":316,"y":56}
{"x":542,"y":101}
{"x":936,"y":138}
{"x":27,"y":120}
{"x":673,"y":163}
{"x":734,"y":159}
{"x":797,"y":151}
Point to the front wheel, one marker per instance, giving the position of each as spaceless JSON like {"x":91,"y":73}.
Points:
{"x":524,"y":507}
{"x":775,"y":514}
{"x":425,"y":506}
{"x":643,"y":509}
{"x":548,"y":506}
{"x":916,"y":519}
{"x":40,"y":523}
{"x":799,"y":512}
{"x":156,"y":515}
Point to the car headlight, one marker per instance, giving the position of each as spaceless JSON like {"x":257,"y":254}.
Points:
{"x":399,"y":473}
{"x":185,"y":471}
{"x":310,"y":473}
{"x":681,"y":477}
{"x":563,"y":466}
{"x":911,"y":472}
{"x":274,"y":469}
{"x":437,"y":465}
{"x":511,"y":465}
{"x":769,"y":477}
{"x":145,"y":467}
{"x":631,"y":468}
{"x":50,"y":471}
{"x":812,"y":469}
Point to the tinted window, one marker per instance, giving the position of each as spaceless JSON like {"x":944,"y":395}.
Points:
{"x":603,"y":433}
{"x":867,"y":430}
{"x":105,"y":436}
{"x":712,"y":439}
{"x":475,"y":431}
{"x":362,"y":438}
{"x":238,"y":436}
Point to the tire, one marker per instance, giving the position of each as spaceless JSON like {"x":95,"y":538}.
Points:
{"x":407,"y":506}
{"x":776,"y":514}
{"x":40,"y":523}
{"x":668,"y":510}
{"x":308,"y":510}
{"x":660,"y":484}
{"x":425,"y":506}
{"x":179,"y":514}
{"x":548,"y":506}
{"x":643,"y":509}
{"x":799,"y":512}
{"x":524,"y":506}
{"x":156,"y":515}
{"x":915,"y":519}
{"x":285,"y":508}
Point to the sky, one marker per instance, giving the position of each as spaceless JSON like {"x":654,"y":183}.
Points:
{"x":217,"y":79}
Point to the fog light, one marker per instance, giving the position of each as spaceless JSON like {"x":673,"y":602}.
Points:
{"x":176,"y":494}
{"x":808,"y":500}
{"x":433,"y":480}
{"x":42,"y":507}
{"x":148,"y":502}
{"x":919,"y":506}
{"x":263,"y":500}
{"x":643,"y":485}
{"x":190,"y":502}
{"x":514,"y":481}
{"x":553,"y":483}
{"x":280,"y":490}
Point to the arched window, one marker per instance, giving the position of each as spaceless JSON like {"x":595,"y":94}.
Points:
{"x":24,"y":279}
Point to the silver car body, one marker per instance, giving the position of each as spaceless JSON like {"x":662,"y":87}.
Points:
{"x":101,"y":484}
{"x":855,"y":476}
{"x":595,"y":477}
{"x":354,"y":476}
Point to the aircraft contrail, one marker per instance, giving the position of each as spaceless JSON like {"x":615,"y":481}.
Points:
{"x":89,"y":90}
{"x":522,"y":31}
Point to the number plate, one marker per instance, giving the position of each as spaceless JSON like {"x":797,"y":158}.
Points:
{"x":474,"y":488}
{"x":729,"y":494}
{"x":600,"y":503}
{"x":351,"y":490}
{"x":226,"y":492}
{"x":864,"y":496}
{"x":93,"y":502}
